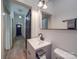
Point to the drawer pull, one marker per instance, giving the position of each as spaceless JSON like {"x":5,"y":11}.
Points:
{"x":29,"y":53}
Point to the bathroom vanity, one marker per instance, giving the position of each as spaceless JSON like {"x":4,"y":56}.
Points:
{"x":35,"y":46}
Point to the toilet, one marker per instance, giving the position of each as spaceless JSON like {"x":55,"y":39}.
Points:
{"x":61,"y":54}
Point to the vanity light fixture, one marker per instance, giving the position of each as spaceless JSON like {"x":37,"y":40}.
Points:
{"x":42,"y":4}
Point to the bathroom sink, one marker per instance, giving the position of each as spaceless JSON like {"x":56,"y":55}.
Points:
{"x":36,"y":43}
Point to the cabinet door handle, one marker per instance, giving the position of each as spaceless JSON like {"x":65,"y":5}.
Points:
{"x":29,"y":53}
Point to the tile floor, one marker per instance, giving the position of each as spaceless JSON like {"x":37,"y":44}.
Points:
{"x":18,"y":51}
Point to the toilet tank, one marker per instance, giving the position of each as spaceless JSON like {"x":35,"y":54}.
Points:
{"x":57,"y":56}
{"x":61,"y":54}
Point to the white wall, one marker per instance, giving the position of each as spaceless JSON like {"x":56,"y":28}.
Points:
{"x":24,"y":33}
{"x":65,"y":39}
{"x":8,"y":33}
{"x":7,"y":26}
{"x":2,"y":30}
{"x":11,"y":33}
{"x":35,"y":22}
{"x":65,"y":9}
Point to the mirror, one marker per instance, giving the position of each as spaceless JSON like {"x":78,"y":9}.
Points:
{"x":49,"y":22}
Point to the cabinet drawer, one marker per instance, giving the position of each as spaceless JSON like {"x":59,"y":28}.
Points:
{"x":30,"y":52}
{"x":47,"y":51}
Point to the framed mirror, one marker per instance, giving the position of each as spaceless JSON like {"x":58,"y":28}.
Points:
{"x":49,"y":22}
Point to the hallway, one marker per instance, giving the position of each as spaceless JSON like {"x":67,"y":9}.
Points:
{"x":18,"y":51}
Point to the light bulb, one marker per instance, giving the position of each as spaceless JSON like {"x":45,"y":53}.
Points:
{"x":44,"y":6}
{"x":40,"y":4}
{"x":20,"y":16}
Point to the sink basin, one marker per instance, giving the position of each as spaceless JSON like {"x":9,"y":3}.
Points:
{"x":36,"y":43}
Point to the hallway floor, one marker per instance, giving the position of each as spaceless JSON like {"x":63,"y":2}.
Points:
{"x":18,"y":51}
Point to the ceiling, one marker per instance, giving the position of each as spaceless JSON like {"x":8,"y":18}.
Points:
{"x":19,"y":9}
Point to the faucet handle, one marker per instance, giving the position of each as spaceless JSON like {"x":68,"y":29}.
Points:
{"x":41,"y":36}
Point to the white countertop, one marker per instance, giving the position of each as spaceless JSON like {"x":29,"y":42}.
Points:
{"x":36,"y":43}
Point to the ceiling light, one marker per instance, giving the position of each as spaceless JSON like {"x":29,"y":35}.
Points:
{"x":20,"y":16}
{"x":40,"y":4}
{"x":44,"y":6}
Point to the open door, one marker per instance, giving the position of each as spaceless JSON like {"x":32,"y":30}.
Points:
{"x":28,"y":25}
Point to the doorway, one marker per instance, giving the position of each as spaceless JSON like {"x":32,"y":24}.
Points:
{"x":28,"y":25}
{"x":18,"y":30}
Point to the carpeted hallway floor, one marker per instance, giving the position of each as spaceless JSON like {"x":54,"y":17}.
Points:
{"x":18,"y":51}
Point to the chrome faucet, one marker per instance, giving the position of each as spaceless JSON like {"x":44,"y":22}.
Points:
{"x":41,"y":36}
